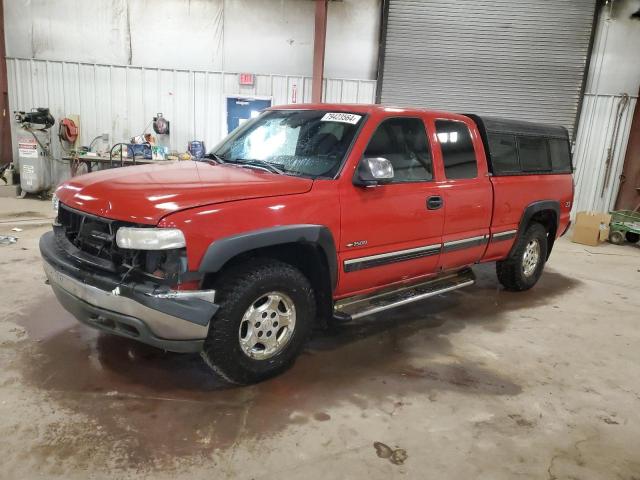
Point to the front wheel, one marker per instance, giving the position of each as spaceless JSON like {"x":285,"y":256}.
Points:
{"x":266,"y":313}
{"x":616,"y":237}
{"x":523,"y":268}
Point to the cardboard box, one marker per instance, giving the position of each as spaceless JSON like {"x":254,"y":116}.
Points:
{"x":591,"y":228}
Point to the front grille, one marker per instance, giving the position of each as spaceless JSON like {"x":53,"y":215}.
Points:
{"x":95,"y":236}
{"x":95,"y":239}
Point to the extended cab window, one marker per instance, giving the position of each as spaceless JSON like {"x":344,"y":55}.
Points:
{"x":534,"y":156}
{"x":458,"y":154}
{"x":504,"y":154}
{"x":560,"y":155}
{"x":403,"y":141}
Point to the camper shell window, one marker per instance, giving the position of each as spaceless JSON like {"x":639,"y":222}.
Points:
{"x":521,"y":148}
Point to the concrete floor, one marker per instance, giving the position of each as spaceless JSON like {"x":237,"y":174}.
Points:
{"x":480,"y":383}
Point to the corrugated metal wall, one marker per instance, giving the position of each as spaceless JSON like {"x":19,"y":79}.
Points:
{"x":122,"y":100}
{"x":595,"y":190}
{"x":511,"y":58}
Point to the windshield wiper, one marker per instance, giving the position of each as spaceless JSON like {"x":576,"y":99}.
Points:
{"x":273,"y":168}
{"x":214,"y":156}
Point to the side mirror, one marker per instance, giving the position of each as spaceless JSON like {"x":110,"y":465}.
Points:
{"x":373,"y":171}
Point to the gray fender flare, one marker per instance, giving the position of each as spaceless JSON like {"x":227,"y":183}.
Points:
{"x":223,"y":250}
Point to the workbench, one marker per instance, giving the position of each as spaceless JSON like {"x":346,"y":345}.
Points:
{"x":116,"y":161}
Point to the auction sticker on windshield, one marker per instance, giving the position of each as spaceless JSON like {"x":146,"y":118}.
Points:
{"x":341,"y":117}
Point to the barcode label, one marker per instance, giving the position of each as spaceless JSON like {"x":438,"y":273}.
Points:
{"x":341,"y":117}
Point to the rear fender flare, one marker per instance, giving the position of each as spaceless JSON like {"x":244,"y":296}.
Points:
{"x":531,"y":210}
{"x":223,"y":250}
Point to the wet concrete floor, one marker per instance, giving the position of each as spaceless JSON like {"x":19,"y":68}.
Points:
{"x":479,"y":383}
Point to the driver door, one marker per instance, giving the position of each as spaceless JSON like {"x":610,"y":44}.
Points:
{"x":392,"y":232}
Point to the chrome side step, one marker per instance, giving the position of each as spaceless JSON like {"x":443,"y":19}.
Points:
{"x":361,"y":306}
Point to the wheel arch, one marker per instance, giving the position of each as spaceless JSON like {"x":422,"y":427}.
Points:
{"x":545,"y":212}
{"x":311,"y":248}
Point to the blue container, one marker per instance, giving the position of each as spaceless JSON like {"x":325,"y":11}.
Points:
{"x":142,"y":150}
{"x":196,"y":148}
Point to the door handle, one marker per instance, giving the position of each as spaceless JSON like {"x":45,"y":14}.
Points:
{"x":435,"y":202}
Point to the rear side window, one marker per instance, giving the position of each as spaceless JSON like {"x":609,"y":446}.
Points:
{"x":560,"y":155}
{"x":504,"y":153}
{"x":534,"y":156}
{"x":403,"y":141}
{"x":457,"y":149}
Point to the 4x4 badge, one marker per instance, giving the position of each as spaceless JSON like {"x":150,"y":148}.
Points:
{"x":358,"y":243}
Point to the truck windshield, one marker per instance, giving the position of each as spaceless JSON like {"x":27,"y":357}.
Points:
{"x":296,"y":142}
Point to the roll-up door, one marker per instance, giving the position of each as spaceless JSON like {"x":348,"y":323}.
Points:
{"x":511,"y":58}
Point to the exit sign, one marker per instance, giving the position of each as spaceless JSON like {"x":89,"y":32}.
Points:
{"x":247,"y":79}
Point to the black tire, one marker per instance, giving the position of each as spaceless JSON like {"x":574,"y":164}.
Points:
{"x":511,"y":271}
{"x":237,"y":290}
{"x":632,"y":237}
{"x":616,"y":237}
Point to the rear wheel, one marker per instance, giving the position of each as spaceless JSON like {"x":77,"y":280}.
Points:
{"x":632,"y":237}
{"x":523,"y":268}
{"x":267,"y":309}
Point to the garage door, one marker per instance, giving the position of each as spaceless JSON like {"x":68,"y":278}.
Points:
{"x":513,"y":58}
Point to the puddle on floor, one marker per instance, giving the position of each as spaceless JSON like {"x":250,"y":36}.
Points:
{"x":148,"y":406}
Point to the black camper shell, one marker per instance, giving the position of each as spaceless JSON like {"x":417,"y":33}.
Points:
{"x":515,"y":147}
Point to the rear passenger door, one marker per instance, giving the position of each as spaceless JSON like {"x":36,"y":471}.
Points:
{"x":468,"y":197}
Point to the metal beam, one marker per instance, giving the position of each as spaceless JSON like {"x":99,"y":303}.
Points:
{"x":382,"y":45}
{"x":319,"y":41}
{"x":5,"y":114}
{"x":597,"y":12}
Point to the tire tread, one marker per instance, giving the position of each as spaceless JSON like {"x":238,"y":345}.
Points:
{"x":509,"y":271}
{"x":221,"y":351}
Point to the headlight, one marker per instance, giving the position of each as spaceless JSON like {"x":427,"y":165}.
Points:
{"x":55,"y":202}
{"x":149,"y":238}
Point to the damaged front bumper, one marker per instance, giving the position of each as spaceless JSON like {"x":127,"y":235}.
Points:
{"x":173,"y":320}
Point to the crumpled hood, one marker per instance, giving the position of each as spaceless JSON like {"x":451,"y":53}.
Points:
{"x":146,"y":193}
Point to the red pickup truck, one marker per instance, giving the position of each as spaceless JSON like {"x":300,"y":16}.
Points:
{"x":306,"y":214}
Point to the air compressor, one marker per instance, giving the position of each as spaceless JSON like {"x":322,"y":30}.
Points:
{"x":34,"y":149}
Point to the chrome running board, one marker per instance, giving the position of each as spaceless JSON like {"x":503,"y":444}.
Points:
{"x":363,"y":305}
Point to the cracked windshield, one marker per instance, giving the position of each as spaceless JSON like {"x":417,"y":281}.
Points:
{"x":295,"y":142}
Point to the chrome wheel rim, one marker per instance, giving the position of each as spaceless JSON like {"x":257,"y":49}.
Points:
{"x":267,"y":325}
{"x":531,"y":258}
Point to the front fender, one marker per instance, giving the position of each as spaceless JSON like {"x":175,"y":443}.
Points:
{"x":224,"y":249}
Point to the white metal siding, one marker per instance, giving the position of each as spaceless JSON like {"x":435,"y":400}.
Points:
{"x":593,"y":140}
{"x":122,"y":100}
{"x":511,"y":58}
